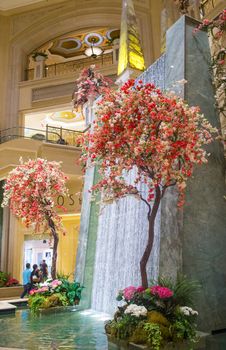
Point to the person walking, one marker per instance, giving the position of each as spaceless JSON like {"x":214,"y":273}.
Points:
{"x":44,"y":270}
{"x":26,"y":280}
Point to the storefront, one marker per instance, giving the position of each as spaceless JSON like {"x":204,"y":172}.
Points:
{"x":21,"y":245}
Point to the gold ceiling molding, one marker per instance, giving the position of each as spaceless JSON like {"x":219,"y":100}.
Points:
{"x":75,"y":44}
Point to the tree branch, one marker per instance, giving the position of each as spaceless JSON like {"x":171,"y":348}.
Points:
{"x":146,"y":202}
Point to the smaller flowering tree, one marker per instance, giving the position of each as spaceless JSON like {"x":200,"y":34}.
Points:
{"x":139,"y":127}
{"x":30,"y":191}
{"x":89,"y":85}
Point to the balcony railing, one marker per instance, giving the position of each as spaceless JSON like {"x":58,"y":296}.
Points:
{"x":50,"y":134}
{"x":75,"y":66}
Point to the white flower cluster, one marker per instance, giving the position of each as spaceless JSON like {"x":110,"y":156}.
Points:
{"x":136,"y":310}
{"x":188,"y":311}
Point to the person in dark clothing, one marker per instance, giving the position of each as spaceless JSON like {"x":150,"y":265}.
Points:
{"x":44,"y":269}
{"x":61,"y":142}
{"x":35,"y":275}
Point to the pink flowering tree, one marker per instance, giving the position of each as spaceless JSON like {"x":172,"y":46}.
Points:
{"x":89,"y":85}
{"x":30,"y":191}
{"x":139,"y":127}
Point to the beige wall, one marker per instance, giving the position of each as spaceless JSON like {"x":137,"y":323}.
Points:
{"x":4,"y":66}
{"x":67,"y":247}
{"x":28,"y":30}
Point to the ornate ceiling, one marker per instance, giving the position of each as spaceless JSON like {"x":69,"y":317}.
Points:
{"x":74,"y":44}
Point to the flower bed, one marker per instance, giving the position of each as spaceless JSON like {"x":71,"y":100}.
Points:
{"x":54,"y":293}
{"x":156,"y":317}
{"x":6,"y":280}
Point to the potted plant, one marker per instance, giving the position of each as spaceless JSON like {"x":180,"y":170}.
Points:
{"x":54,"y":293}
{"x":158,"y":317}
{"x":39,"y":56}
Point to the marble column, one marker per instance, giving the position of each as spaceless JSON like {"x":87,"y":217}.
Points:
{"x":85,"y":257}
{"x":194,"y":241}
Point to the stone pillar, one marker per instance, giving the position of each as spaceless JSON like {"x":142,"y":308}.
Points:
{"x":39,"y":70}
{"x":194,"y":240}
{"x":115,"y":51}
{"x":85,"y":257}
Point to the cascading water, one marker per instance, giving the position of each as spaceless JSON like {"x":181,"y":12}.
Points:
{"x":121,"y":240}
{"x":122,"y":235}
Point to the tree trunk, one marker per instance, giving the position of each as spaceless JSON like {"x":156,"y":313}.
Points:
{"x":55,"y":245}
{"x":151,"y":233}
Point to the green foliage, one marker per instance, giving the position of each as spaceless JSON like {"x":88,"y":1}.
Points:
{"x":64,"y":294}
{"x":3,"y":278}
{"x":153,"y":334}
{"x":120,"y":295}
{"x":63,"y":299}
{"x":184,"y":328}
{"x":184,"y":293}
{"x":35,"y":301}
{"x":72,"y":290}
{"x":6,"y":280}
{"x":157,"y":317}
{"x":139,"y":335}
{"x":123,"y":328}
{"x":45,"y":301}
{"x":184,"y":290}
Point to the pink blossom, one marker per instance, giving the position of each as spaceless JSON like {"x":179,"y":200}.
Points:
{"x":31,"y":190}
{"x":55,"y":283}
{"x":43,"y":289}
{"x":206,"y":22}
{"x":161,"y":292}
{"x":140,"y":289}
{"x":129,"y":292}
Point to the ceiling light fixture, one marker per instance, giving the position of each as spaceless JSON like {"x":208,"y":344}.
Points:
{"x":93,"y":51}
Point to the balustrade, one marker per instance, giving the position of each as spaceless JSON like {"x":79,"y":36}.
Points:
{"x":72,"y":67}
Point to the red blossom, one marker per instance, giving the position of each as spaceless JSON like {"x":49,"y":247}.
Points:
{"x":157,"y":134}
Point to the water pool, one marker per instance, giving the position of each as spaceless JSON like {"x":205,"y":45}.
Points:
{"x":62,"y":330}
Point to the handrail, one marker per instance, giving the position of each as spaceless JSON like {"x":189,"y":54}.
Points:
{"x":51,"y":134}
{"x":57,"y":69}
{"x":41,"y":130}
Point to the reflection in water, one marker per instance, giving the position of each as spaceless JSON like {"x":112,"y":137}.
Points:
{"x":53,"y":331}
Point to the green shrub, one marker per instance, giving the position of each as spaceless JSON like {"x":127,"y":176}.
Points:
{"x":3,"y":278}
{"x":72,"y":290}
{"x":154,"y":335}
{"x":35,"y":302}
